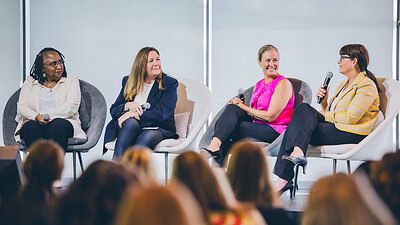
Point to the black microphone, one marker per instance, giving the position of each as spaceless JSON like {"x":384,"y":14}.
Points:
{"x":328,"y":77}
{"x":46,"y":117}
{"x":146,"y":106}
{"x":241,"y":95}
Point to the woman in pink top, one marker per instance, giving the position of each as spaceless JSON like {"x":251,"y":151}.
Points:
{"x":270,"y":111}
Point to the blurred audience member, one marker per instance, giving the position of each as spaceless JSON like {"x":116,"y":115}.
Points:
{"x":93,"y":198}
{"x":140,"y":157}
{"x":41,"y":168}
{"x":336,"y":199}
{"x":385,"y":177}
{"x":157,"y":205}
{"x":248,"y":174}
{"x":192,"y":170}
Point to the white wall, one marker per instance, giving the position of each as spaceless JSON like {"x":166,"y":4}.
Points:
{"x":9,"y":52}
{"x":100,"y":40}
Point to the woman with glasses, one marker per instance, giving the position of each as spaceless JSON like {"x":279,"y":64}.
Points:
{"x":131,"y":123}
{"x":347,"y":119}
{"x":49,"y":102}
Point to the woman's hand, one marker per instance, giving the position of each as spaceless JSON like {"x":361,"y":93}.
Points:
{"x":40,"y":119}
{"x":322,"y":93}
{"x":127,"y":115}
{"x":134,"y":106}
{"x":235,"y":101}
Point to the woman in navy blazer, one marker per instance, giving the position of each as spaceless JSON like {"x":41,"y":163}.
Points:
{"x":130,"y":124}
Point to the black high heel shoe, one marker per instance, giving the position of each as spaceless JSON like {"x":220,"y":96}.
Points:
{"x":296,"y":162}
{"x":288,"y":186}
{"x":301,"y":160}
{"x":217,"y":155}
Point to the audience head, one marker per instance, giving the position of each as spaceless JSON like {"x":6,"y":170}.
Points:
{"x":249,"y":176}
{"x":385,"y":177}
{"x":358,"y":54}
{"x":93,"y":198}
{"x":268,"y":59}
{"x":140,"y":157}
{"x":44,"y":164}
{"x":336,"y":199}
{"x":143,"y":66}
{"x":192,"y":170}
{"x":43,"y":66}
{"x":156,"y":205}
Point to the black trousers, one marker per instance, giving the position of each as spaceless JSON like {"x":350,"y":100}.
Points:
{"x":58,"y":130}
{"x":235,"y":124}
{"x":308,"y":126}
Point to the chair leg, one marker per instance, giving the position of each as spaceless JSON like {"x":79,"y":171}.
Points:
{"x":166,"y":168}
{"x":348,"y":167}
{"x":80,"y":161}
{"x":334,"y":165}
{"x":74,"y":163}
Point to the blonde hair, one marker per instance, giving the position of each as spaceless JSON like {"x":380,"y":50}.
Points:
{"x":135,"y":82}
{"x":336,"y":200}
{"x":140,"y":157}
{"x":265,"y":48}
{"x":156,"y":205}
{"x":248,"y":158}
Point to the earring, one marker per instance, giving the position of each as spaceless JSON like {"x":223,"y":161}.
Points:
{"x":44,"y":75}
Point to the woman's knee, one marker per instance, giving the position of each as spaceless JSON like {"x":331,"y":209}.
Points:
{"x":131,"y":124}
{"x":58,"y":124}
{"x":302,"y":107}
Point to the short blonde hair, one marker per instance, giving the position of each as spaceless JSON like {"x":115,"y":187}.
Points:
{"x":156,"y":205}
{"x":140,"y":157}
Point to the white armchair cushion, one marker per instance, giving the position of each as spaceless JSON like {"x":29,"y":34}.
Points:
{"x":329,"y":149}
{"x":181,"y":124}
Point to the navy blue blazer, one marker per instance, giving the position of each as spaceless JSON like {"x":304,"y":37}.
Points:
{"x":160,"y":114}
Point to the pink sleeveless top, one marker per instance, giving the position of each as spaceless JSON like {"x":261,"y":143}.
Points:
{"x":261,"y":99}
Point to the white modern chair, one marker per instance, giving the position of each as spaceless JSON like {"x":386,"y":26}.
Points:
{"x":191,"y":113}
{"x":371,"y":147}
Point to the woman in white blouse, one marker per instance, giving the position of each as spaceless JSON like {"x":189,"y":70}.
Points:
{"x":49,"y":102}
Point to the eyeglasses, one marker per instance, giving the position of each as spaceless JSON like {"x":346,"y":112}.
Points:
{"x":54,"y":64}
{"x":345,"y":57}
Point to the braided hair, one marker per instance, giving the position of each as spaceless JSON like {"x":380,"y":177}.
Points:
{"x":359,"y":52}
{"x":37,"y":71}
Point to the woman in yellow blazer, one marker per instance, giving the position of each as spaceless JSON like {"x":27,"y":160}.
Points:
{"x":347,"y":119}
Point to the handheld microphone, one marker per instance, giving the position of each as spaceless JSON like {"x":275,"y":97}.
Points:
{"x":328,"y":77}
{"x":241,"y":94}
{"x":46,"y":117}
{"x":146,"y":106}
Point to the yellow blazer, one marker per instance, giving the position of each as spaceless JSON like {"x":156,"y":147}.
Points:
{"x":357,"y":108}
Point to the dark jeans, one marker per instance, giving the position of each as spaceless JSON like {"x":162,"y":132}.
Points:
{"x":58,"y":130}
{"x":235,"y":124}
{"x":308,"y":126}
{"x":132,"y":134}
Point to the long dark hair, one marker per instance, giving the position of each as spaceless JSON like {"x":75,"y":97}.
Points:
{"x":37,"y":67}
{"x":359,"y":52}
